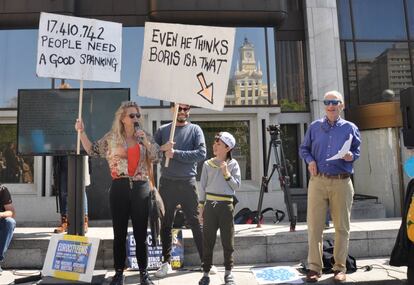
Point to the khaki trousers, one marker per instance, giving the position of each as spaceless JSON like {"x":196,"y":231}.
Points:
{"x":338,"y":195}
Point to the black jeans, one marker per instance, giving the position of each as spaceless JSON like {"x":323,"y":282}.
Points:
{"x":183,"y":192}
{"x":218,"y":215}
{"x":125,"y":203}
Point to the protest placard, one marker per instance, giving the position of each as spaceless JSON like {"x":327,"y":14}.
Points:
{"x":71,"y":257}
{"x":79,"y":48}
{"x":186,"y":64}
{"x":155,"y":252}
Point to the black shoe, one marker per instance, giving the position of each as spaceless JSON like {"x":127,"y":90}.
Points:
{"x":118,"y":279}
{"x":229,"y":280}
{"x":144,"y":278}
{"x":205,"y":280}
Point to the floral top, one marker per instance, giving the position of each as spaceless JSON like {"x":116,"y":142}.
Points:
{"x":116,"y":153}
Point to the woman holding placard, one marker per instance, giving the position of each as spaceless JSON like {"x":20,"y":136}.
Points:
{"x":127,"y":148}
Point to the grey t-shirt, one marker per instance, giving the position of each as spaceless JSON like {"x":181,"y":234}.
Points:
{"x":212,"y":180}
{"x":189,"y":148}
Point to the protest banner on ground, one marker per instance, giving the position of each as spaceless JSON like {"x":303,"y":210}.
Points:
{"x":71,"y":257}
{"x":79,"y":48}
{"x":186,"y":64}
{"x":155,"y":252}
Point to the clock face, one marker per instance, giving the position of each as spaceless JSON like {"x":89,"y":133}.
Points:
{"x":248,"y":54}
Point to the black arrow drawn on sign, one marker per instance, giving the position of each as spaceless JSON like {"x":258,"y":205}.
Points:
{"x":206,"y":91}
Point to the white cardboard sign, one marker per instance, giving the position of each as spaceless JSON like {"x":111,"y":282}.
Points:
{"x":79,"y":48}
{"x":186,"y":64}
{"x":71,"y":257}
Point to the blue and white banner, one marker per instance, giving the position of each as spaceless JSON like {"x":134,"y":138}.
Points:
{"x":71,"y":257}
{"x":155,"y":253}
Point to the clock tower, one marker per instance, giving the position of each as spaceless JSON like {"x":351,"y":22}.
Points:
{"x":247,"y":58}
{"x":247,"y":81}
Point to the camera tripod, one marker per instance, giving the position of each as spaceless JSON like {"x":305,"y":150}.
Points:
{"x":284,"y":179}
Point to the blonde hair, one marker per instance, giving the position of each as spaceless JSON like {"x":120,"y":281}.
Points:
{"x":118,"y":129}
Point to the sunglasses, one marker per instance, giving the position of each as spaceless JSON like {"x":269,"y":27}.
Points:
{"x":135,"y":115}
{"x":185,"y":109}
{"x":333,"y":102}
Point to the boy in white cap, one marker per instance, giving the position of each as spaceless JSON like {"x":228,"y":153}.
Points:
{"x":220,"y":178}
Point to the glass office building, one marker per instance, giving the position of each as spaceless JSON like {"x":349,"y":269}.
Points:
{"x":285,"y":57}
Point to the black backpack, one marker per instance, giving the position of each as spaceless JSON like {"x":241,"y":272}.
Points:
{"x":329,"y":261}
{"x":247,"y":216}
{"x":242,"y":216}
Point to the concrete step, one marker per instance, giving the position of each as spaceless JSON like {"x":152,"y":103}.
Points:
{"x":368,"y":209}
{"x":363,"y":207}
{"x":268,"y":244}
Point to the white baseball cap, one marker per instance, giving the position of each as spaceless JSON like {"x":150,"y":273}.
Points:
{"x":227,"y":138}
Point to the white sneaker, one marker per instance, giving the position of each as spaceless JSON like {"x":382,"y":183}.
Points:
{"x":164,"y":270}
{"x":213,"y":270}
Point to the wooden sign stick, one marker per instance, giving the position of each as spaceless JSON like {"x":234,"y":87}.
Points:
{"x":79,"y":116}
{"x":172,"y":132}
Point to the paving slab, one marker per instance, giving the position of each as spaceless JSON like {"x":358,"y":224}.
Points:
{"x":380,"y":273}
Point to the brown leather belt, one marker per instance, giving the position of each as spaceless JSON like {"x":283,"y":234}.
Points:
{"x":337,"y":176}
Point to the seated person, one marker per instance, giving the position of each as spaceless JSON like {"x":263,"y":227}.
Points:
{"x":7,"y":222}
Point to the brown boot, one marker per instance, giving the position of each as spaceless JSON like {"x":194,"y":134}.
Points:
{"x":85,"y":225}
{"x":63,"y":226}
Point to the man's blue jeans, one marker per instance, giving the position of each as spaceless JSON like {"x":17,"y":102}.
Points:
{"x":7,"y":226}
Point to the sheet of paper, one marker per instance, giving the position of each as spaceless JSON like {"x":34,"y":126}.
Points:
{"x":344,"y":149}
{"x":277,"y":275}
